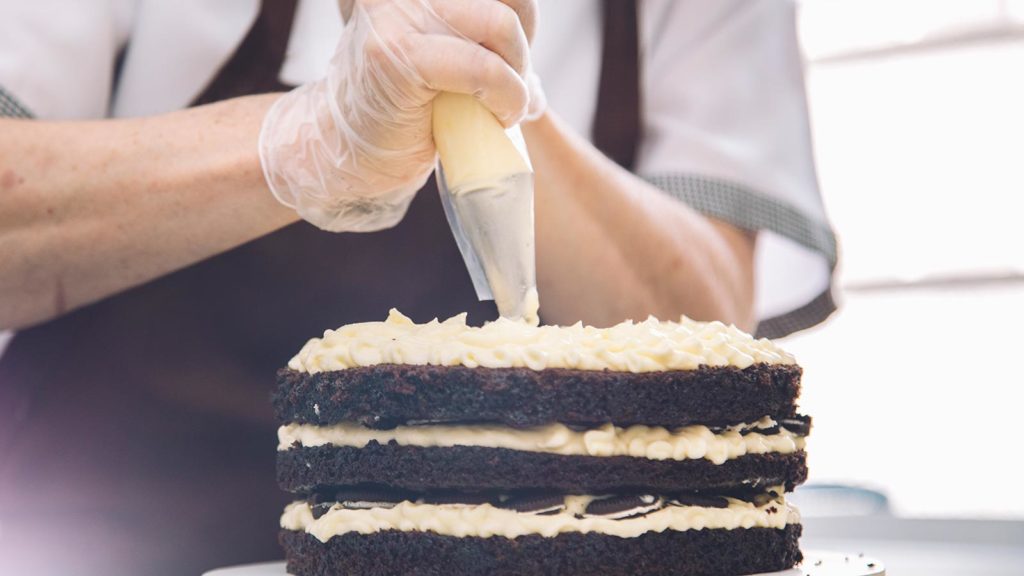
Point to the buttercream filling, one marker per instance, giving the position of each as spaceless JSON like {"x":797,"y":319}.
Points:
{"x":652,"y":442}
{"x":647,"y":346}
{"x":486,"y":520}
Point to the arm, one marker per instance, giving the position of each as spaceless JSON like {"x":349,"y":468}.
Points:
{"x":611,"y":246}
{"x":91,"y":208}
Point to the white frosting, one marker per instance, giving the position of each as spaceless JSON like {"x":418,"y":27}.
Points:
{"x":647,"y":346}
{"x":531,"y":307}
{"x":656,"y":443}
{"x":486,"y":521}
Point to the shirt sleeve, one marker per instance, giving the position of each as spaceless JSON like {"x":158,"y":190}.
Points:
{"x":10,"y":107}
{"x":57,"y":56}
{"x":726,"y":130}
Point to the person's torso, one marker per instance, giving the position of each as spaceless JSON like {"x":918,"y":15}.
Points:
{"x":146,"y":416}
{"x":138,"y":430}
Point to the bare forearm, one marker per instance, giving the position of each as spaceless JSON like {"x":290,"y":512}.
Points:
{"x":611,"y":246}
{"x":90,"y":208}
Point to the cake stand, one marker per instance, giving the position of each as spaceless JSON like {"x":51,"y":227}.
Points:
{"x":815,"y":563}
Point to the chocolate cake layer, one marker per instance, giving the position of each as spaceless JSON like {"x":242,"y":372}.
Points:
{"x":387,"y":395}
{"x":686,"y":553}
{"x":473,"y":469}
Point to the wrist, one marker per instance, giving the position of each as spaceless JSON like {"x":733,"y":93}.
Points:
{"x":318,"y":162}
{"x":227,"y":155}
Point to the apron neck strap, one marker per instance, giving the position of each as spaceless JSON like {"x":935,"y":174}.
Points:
{"x":617,"y":121}
{"x":256,"y":63}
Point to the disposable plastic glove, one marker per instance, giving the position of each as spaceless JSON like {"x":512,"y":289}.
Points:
{"x":348,"y":152}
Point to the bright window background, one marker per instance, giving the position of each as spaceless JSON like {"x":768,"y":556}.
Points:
{"x":917,"y":384}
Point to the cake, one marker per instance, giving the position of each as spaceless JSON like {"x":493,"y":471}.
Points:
{"x":646,"y":448}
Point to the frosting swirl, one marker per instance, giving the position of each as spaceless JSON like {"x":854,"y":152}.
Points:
{"x":647,"y":346}
{"x":651,"y":442}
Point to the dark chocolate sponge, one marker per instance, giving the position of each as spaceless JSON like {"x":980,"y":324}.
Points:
{"x":687,"y":553}
{"x":475,"y":469}
{"x":387,"y":395}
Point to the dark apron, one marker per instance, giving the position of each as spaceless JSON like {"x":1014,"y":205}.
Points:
{"x":136,"y":435}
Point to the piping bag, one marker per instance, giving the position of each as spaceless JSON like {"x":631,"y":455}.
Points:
{"x":486,"y":184}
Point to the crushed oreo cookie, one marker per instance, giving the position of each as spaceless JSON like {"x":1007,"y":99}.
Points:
{"x":766,"y":497}
{"x":321,"y":509}
{"x":355,"y":499}
{"x":535,"y":503}
{"x":622,"y":507}
{"x":449,"y":422}
{"x":365,"y":498}
{"x":321,"y":498}
{"x":758,"y":497}
{"x":701,"y":500}
{"x":366,"y":504}
{"x":616,"y":507}
{"x":768,"y":431}
{"x":745,"y":430}
{"x":442,"y":498}
{"x":742,"y":495}
{"x":799,"y":425}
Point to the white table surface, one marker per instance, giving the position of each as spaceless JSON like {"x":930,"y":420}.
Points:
{"x":925,"y":547}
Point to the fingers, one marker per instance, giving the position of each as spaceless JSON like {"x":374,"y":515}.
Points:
{"x":476,"y":47}
{"x":452,"y":64}
{"x":538,"y":100}
{"x":494,"y":24}
{"x":528,"y":13}
{"x":345,"y":7}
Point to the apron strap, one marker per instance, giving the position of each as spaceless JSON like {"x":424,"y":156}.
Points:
{"x":256,"y":63}
{"x":617,"y":120}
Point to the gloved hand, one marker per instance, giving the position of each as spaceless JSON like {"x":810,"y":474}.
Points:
{"x":348,"y":152}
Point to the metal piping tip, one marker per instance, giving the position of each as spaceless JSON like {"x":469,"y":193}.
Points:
{"x":493,"y":225}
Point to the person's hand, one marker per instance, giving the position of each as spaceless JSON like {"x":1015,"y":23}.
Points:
{"x":349,"y":152}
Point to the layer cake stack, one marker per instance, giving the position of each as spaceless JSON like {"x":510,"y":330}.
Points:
{"x":648,"y":448}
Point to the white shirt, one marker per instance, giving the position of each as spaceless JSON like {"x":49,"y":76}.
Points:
{"x":724,"y":113}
